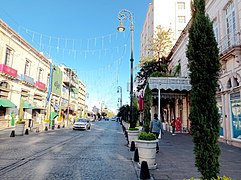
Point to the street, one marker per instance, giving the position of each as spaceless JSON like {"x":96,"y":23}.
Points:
{"x":98,"y":153}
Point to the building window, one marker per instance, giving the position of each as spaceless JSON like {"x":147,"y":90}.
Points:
{"x":27,"y":68}
{"x":8,"y":56}
{"x":180,"y":5}
{"x":231,"y":24}
{"x":40,"y":74}
{"x":235,"y":103}
{"x":181,"y":19}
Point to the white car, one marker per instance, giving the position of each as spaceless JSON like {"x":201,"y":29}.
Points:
{"x":82,"y":123}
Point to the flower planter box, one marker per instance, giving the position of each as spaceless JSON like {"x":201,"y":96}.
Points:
{"x":147,"y":152}
{"x":132,"y":136}
{"x":19,"y":129}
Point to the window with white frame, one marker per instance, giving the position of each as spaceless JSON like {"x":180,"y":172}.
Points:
{"x":40,"y":74}
{"x":180,"y":5}
{"x":27,"y":67}
{"x":8,"y":56}
{"x":181,"y":19}
{"x":230,"y":23}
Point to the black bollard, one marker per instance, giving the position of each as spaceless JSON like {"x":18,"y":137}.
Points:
{"x":58,"y":126}
{"x":46,"y":128}
{"x":136,"y":155}
{"x":144,"y":173}
{"x":12,"y":133}
{"x":26,"y":132}
{"x":132,"y":146}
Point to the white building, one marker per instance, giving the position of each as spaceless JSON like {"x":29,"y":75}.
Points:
{"x":173,"y":14}
{"x":225,"y":15}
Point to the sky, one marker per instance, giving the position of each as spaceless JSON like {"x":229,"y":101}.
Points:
{"x":82,"y":35}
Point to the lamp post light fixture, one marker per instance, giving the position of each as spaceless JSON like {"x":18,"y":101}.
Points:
{"x":125,"y":14}
{"x":119,"y":90}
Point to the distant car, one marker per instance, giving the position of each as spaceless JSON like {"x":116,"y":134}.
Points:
{"x":82,"y":123}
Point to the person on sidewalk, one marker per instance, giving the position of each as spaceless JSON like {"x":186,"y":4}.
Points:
{"x":156,"y":128}
{"x":173,"y":124}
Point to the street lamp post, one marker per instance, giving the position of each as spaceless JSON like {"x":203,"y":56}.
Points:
{"x":125,"y":14}
{"x":119,"y":90}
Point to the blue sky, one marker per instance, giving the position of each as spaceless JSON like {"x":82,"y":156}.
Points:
{"x":82,"y":35}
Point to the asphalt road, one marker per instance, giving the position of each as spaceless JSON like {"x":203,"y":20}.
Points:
{"x":98,"y":153}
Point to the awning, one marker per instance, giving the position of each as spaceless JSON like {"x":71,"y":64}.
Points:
{"x":6,"y":103}
{"x":53,"y":115}
{"x":36,"y":107}
{"x":27,"y":105}
{"x":172,"y":83}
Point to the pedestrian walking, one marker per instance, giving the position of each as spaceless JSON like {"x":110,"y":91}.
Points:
{"x":156,"y":128}
{"x":173,"y":124}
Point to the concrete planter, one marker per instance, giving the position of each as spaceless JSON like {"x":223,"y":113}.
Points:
{"x":19,"y":129}
{"x":132,"y":136}
{"x":147,"y":152}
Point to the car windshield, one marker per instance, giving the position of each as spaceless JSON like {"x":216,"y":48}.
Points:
{"x":82,"y":120}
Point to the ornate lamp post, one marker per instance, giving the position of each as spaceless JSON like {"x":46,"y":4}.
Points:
{"x":119,"y":90}
{"x":125,"y":14}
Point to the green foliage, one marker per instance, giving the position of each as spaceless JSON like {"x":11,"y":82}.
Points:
{"x":124,"y":113}
{"x":146,"y":136}
{"x":147,"y":108}
{"x":202,"y":54}
{"x":177,"y":70}
{"x":135,"y":111}
{"x":133,"y":129}
{"x":20,"y":121}
{"x":149,"y":67}
{"x":156,"y":74}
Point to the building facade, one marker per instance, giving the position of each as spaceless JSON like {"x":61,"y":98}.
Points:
{"x":173,"y":14}
{"x":225,"y":15}
{"x":48,"y":91}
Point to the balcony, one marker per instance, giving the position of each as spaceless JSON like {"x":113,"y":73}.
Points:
{"x":8,"y":71}
{"x":40,"y":85}
{"x":27,"y":79}
{"x":229,"y":45}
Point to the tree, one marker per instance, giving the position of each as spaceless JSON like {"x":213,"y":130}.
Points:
{"x":147,"y":108}
{"x":159,"y":46}
{"x":124,"y":112}
{"x":147,"y":69}
{"x":202,"y":54}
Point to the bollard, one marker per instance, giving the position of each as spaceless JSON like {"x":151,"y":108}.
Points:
{"x":144,"y":173}
{"x":46,"y":128}
{"x":136,"y":155}
{"x":58,"y":127}
{"x":12,"y":133}
{"x":132,"y":146}
{"x":26,"y":132}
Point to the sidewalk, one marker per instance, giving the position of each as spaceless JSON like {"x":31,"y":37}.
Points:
{"x":176,"y":161}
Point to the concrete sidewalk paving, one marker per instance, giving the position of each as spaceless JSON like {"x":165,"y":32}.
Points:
{"x":176,"y":161}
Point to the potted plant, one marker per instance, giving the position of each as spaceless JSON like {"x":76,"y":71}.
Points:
{"x":132,"y":135}
{"x":19,"y":128}
{"x":146,"y":144}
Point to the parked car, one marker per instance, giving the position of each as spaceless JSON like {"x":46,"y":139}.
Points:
{"x":82,"y":123}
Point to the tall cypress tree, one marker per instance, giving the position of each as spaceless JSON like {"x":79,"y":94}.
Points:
{"x":203,"y":57}
{"x":147,"y":108}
